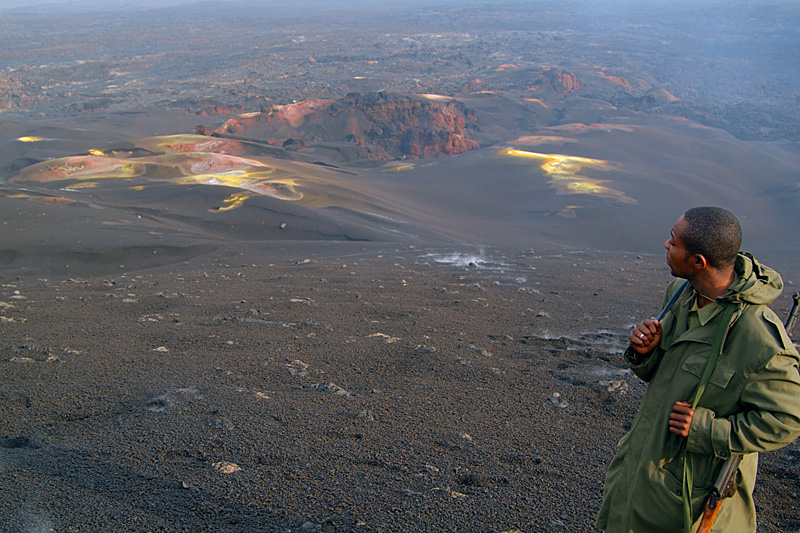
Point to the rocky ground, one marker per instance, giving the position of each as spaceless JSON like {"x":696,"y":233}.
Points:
{"x":329,"y":388}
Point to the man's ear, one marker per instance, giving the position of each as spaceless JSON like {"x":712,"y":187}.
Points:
{"x":699,"y":261}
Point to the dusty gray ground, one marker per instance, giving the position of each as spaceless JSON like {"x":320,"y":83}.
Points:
{"x":329,"y":387}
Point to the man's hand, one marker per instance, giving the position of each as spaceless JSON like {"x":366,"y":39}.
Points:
{"x":680,"y":419}
{"x":645,"y":336}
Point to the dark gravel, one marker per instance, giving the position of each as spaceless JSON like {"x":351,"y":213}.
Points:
{"x":370,"y":389}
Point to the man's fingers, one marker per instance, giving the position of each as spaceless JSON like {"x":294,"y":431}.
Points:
{"x":645,"y":334}
{"x":681,"y":432}
{"x":680,"y":419}
{"x":683,"y":408}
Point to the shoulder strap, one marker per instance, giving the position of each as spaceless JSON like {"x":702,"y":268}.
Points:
{"x":716,"y":349}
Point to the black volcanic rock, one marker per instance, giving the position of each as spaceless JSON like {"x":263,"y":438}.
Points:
{"x":17,"y":90}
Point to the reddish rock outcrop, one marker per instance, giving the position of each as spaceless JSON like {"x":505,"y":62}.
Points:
{"x":618,"y":80}
{"x":563,"y":83}
{"x":660,"y":96}
{"x":295,"y":114}
{"x":381,"y":125}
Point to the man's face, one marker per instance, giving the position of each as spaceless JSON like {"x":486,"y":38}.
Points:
{"x":677,"y":256}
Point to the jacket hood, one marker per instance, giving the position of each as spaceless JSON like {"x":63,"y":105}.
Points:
{"x":754,"y":284}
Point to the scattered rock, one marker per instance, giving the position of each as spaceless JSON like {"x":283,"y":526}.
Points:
{"x":558,"y":400}
{"x":225,"y":467}
{"x":332,"y":388}
{"x":298,"y":368}
{"x":484,"y":352}
{"x":387,"y":338}
{"x":366,"y":415}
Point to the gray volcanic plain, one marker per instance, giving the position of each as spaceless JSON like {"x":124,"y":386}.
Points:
{"x":352,"y":266}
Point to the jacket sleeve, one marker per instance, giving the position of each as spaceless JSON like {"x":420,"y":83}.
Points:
{"x":770,"y":418}
{"x":644,"y":366}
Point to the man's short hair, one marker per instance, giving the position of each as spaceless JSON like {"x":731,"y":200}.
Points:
{"x":713,"y":232}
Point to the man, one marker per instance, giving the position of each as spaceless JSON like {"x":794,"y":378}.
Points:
{"x":751,"y":402}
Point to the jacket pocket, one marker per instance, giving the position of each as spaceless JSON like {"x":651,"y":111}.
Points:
{"x":660,"y":508}
{"x":721,"y":375}
{"x":670,"y":476}
{"x":704,"y":472}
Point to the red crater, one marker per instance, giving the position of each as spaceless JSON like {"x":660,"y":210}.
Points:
{"x":379,"y":125}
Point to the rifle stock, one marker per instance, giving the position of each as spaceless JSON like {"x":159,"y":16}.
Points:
{"x":709,"y":515}
{"x":724,"y":487}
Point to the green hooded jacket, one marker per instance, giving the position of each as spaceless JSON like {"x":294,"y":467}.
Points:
{"x":751,"y":404}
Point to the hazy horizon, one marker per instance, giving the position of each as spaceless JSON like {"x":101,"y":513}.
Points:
{"x":362,"y":4}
